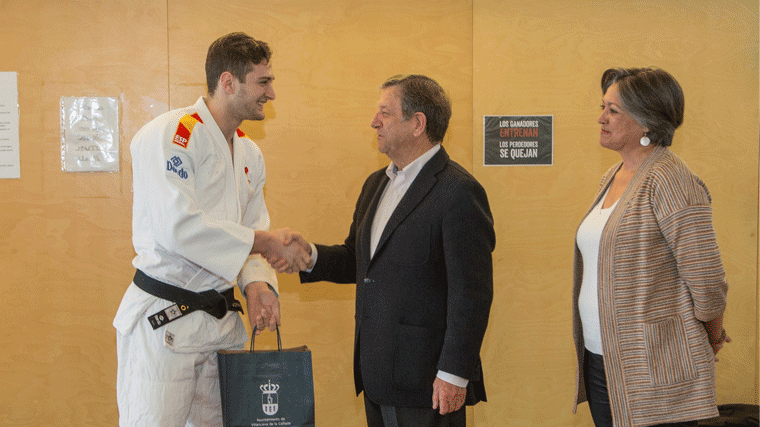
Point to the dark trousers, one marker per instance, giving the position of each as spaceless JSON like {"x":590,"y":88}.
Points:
{"x":411,"y":417}
{"x":596,"y":392}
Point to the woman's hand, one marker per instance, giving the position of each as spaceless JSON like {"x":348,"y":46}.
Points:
{"x":716,"y":335}
{"x":718,"y":345}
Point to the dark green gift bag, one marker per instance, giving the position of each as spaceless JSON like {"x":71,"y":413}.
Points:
{"x":267,"y":388}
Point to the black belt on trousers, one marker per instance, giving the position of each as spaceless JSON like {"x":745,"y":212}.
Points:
{"x":185,"y":302}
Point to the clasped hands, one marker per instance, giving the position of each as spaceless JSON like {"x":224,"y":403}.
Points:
{"x":285,"y":250}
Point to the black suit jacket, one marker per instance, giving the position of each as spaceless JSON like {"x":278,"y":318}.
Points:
{"x":423,"y":300}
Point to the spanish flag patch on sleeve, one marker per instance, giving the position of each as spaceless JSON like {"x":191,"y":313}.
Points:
{"x":185,"y":129}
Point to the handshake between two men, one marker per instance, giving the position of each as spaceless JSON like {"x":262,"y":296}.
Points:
{"x":287,"y":252}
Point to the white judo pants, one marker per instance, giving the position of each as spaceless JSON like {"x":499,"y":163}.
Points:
{"x":158,"y":387}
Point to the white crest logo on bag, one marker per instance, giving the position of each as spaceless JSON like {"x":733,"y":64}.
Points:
{"x":269,"y":398}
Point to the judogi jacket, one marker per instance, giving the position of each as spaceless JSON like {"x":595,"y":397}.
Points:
{"x":195,"y":213}
{"x":660,"y":276}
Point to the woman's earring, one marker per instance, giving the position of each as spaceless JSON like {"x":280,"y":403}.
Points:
{"x":644,"y":140}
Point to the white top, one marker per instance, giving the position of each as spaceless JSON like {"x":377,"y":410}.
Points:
{"x":195,"y":213}
{"x":588,"y":238}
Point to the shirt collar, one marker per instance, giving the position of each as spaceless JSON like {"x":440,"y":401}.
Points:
{"x":410,"y":172}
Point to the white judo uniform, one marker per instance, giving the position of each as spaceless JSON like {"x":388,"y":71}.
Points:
{"x":194,"y":216}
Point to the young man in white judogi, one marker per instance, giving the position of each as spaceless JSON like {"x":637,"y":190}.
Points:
{"x":199,"y":223}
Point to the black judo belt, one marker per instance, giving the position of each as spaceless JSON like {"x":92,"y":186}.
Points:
{"x":185,"y":302}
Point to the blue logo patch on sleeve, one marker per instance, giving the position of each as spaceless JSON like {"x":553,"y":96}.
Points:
{"x":174,"y":164}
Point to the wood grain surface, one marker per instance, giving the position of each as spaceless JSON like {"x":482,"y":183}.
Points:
{"x":65,"y":238}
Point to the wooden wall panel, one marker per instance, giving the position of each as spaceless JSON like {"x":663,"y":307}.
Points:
{"x":65,"y":238}
{"x":547,"y":57}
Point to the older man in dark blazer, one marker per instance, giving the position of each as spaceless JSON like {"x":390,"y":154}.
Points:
{"x":419,"y":250}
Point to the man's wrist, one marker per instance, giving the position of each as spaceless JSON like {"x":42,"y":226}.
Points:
{"x":313,"y":254}
{"x":261,"y":242}
{"x":453,"y":379}
{"x":254,"y":287}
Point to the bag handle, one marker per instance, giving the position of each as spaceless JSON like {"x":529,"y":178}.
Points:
{"x":253,"y":338}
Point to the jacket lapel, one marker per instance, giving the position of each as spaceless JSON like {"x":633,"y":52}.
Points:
{"x":365,"y":227}
{"x":417,"y":191}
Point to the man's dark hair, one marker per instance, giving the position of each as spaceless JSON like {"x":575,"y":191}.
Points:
{"x":421,"y":94}
{"x":236,"y":53}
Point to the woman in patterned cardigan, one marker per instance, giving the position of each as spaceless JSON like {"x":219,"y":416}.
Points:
{"x":649,"y":287}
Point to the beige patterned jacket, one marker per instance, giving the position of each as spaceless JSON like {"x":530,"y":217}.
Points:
{"x":660,"y":276}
